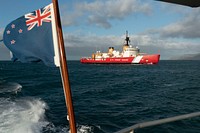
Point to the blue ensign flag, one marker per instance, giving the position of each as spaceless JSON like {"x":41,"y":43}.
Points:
{"x":33,"y":37}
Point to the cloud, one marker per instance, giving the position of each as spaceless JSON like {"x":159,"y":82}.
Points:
{"x":78,"y":45}
{"x":70,"y":18}
{"x":4,"y":52}
{"x":100,"y":13}
{"x":188,"y":27}
{"x":99,"y":21}
{"x":74,"y":40}
{"x":1,"y":33}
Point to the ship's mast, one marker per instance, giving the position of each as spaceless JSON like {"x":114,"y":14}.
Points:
{"x":127,"y":40}
{"x":126,"y":43}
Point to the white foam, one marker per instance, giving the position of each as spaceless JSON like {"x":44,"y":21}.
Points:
{"x":22,"y":116}
{"x":84,"y":129}
{"x":60,"y":129}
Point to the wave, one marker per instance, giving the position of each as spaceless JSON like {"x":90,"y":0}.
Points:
{"x":9,"y":87}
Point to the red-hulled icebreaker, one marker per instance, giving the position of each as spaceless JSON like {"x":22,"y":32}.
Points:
{"x":129,"y":55}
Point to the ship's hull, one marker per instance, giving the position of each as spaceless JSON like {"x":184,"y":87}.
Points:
{"x":140,"y":59}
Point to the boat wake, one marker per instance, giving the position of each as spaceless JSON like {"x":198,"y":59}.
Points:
{"x":80,"y":129}
{"x":22,"y":116}
{"x":85,"y":129}
{"x":26,"y":114}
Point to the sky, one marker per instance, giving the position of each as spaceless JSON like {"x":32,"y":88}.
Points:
{"x":90,"y":25}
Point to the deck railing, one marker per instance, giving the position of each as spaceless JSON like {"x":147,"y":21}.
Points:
{"x":158,"y":122}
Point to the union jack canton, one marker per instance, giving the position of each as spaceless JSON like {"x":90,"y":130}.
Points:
{"x":37,"y":17}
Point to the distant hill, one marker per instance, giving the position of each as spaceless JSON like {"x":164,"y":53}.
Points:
{"x":187,"y":57}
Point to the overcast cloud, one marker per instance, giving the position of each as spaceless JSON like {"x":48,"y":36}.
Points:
{"x":84,"y":45}
{"x":1,"y":33}
{"x":4,"y":52}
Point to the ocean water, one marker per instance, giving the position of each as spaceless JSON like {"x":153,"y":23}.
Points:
{"x":106,"y":98}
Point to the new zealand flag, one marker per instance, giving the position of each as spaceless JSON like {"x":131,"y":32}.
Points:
{"x":33,"y":37}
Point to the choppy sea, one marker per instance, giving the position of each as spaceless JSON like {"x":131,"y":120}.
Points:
{"x":106,"y":98}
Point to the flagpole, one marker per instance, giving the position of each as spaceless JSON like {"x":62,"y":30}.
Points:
{"x":64,"y":69}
